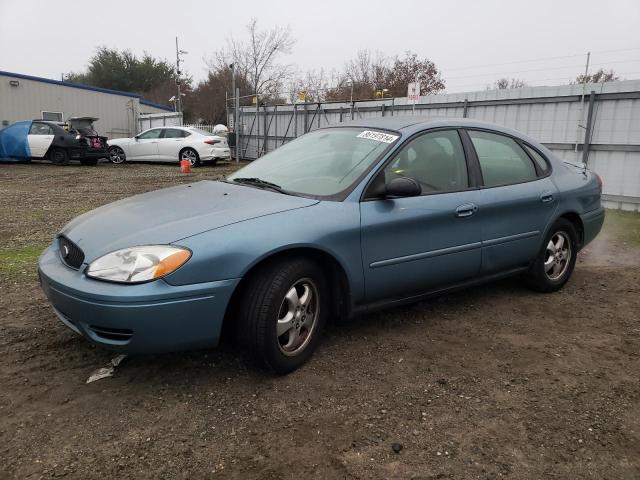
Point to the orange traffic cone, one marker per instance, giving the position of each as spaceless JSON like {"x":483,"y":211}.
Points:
{"x":185,"y":166}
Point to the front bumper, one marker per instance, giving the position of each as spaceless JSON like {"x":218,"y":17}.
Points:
{"x":152,"y":317}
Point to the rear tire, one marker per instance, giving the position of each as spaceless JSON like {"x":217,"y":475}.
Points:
{"x":89,"y":162}
{"x":282,"y":313}
{"x":191,"y":155}
{"x":59,"y":156}
{"x":556,"y":260}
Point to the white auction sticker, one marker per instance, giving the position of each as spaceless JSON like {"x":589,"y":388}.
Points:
{"x":378,"y":136}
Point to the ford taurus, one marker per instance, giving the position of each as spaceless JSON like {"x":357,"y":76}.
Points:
{"x":336,"y":223}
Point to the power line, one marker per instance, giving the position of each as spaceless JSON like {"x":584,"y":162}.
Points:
{"x":529,"y":82}
{"x":542,"y":59}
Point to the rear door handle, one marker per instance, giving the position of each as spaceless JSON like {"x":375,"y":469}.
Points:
{"x":466,"y":210}
{"x":546,"y":197}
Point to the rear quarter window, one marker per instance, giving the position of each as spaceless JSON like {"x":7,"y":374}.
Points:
{"x":539,"y":159}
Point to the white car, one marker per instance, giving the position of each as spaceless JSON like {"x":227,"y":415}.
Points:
{"x":172,"y":144}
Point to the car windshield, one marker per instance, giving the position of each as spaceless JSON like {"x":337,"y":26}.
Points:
{"x":321,"y":163}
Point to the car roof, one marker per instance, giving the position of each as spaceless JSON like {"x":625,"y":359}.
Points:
{"x":50,"y":122}
{"x":408,"y":125}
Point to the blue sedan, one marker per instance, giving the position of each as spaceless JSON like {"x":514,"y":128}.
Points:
{"x":336,"y":223}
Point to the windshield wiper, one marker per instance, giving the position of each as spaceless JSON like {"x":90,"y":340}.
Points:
{"x":258,"y":182}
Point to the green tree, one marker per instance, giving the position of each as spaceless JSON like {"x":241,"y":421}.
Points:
{"x":122,"y":70}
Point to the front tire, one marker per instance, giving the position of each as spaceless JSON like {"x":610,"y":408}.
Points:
{"x":191,"y":155}
{"x":117,"y":155}
{"x":556,"y":260}
{"x":282,"y":313}
{"x":59,"y":156}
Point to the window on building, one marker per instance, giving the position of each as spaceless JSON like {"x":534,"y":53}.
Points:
{"x":52,"y":116}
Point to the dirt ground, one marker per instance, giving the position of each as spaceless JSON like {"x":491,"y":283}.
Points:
{"x":494,"y":382}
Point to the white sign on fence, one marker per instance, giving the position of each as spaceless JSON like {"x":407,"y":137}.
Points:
{"x":413,"y":92}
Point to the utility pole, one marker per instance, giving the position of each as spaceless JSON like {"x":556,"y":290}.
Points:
{"x":232,"y":67}
{"x":584,"y":85}
{"x":178,"y":80}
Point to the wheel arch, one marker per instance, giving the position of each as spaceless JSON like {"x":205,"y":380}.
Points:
{"x":575,"y":219}
{"x":340,"y":288}
{"x":187,"y":147}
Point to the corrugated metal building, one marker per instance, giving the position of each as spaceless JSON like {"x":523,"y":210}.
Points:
{"x":24,"y":97}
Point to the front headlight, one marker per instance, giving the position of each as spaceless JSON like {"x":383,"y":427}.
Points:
{"x":138,"y":264}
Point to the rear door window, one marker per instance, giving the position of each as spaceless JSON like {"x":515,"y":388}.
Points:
{"x":502,"y":160}
{"x":175,"y":133}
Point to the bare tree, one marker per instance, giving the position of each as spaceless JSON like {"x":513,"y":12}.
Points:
{"x":600,"y":76}
{"x":504,"y":84}
{"x":412,"y":69}
{"x":369,"y":73}
{"x":313,"y":86}
{"x":257,"y":58}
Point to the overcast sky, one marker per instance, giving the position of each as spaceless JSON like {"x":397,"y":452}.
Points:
{"x":472,"y":42}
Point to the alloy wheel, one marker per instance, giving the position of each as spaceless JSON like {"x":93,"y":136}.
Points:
{"x":557,"y":256}
{"x":191,"y":156}
{"x":297,"y":317}
{"x":116,"y":155}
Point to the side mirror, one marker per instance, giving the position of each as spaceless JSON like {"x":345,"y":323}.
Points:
{"x":403,"y":187}
{"x":136,"y":138}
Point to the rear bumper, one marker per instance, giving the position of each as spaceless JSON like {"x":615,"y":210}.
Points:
{"x":153,"y":317}
{"x":82,"y":153}
{"x":215,"y":152}
{"x":592,"y":222}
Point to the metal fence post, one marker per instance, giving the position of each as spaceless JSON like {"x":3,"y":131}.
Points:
{"x":236,"y":122}
{"x":264,"y":113}
{"x":275,"y":128}
{"x":465,"y":108}
{"x":589,"y":127}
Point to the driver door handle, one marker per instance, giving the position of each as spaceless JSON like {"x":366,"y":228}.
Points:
{"x":466,"y":210}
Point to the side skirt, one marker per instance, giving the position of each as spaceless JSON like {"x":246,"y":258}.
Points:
{"x":395,"y":302}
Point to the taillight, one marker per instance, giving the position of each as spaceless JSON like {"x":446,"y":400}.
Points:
{"x":599,"y":180}
{"x":212,"y":141}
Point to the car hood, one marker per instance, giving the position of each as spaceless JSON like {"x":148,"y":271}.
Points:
{"x":169,"y":215}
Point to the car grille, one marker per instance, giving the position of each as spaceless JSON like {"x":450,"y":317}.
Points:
{"x":70,"y":253}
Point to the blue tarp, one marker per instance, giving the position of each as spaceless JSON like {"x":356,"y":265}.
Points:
{"x":14,"y":142}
